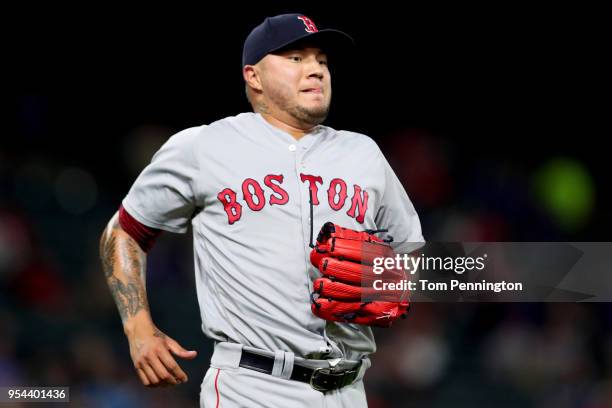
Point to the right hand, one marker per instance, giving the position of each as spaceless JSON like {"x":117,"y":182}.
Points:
{"x":152,"y":353}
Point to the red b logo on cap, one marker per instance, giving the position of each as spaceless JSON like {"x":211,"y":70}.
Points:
{"x":310,"y":25}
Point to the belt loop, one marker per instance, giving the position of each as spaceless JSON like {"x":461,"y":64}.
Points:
{"x":226,"y":355}
{"x":288,"y":365}
{"x":279,"y":360}
{"x":365,"y":364}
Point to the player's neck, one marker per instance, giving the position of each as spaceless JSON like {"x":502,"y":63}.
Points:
{"x":296,"y":131}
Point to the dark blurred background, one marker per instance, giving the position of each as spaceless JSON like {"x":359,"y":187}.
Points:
{"x":492,"y":118}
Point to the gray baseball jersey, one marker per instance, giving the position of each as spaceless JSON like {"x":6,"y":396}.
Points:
{"x":244,"y":185}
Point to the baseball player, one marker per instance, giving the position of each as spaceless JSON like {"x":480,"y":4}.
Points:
{"x":254,"y":187}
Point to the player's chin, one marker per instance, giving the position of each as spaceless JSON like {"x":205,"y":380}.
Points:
{"x":314,"y":115}
{"x":316,"y":107}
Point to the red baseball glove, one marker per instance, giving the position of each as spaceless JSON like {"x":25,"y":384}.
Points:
{"x":345,"y":258}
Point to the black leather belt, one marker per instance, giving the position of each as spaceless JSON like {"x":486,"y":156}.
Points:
{"x":321,"y":379}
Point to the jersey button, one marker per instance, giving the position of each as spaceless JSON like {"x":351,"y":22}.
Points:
{"x":292,"y":148}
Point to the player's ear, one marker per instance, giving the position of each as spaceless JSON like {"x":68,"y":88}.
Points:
{"x":251,"y":77}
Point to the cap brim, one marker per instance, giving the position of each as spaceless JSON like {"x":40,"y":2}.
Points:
{"x":335,"y":43}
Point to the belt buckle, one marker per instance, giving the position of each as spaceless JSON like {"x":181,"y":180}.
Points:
{"x":315,"y":376}
{"x":327,"y":371}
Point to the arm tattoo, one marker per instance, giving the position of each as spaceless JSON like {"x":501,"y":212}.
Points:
{"x":130,"y":297}
{"x":124,"y":265}
{"x":107,"y":254}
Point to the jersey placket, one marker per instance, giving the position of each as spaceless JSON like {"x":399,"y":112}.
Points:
{"x":301,"y":149}
{"x":301,"y":167}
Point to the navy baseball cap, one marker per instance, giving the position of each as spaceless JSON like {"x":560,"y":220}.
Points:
{"x":278,"y":32}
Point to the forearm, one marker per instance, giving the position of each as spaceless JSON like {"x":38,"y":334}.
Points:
{"x":124,"y":264}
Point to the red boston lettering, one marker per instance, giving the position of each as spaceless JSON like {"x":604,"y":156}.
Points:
{"x":248,"y":196}
{"x":332,"y":192}
{"x":312,"y":180}
{"x":231,"y":207}
{"x":253,"y":192}
{"x":284,"y":197}
{"x":361,"y":202}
